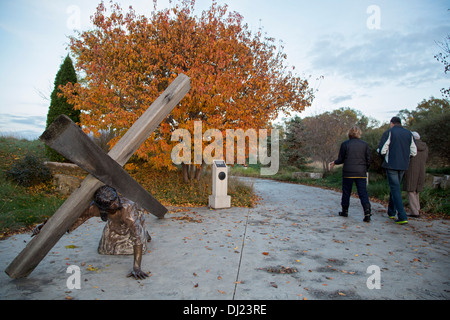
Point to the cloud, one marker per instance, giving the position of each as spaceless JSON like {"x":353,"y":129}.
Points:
{"x":29,"y":120}
{"x":378,"y":57}
{"x":23,"y":126}
{"x":340,"y":99}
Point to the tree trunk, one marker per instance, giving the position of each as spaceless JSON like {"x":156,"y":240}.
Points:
{"x":325,"y":166}
{"x":185,"y":168}
{"x":199,"y":171}
{"x":191,"y":171}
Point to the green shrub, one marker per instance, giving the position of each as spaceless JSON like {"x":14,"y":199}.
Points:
{"x":435,"y":200}
{"x":29,"y":171}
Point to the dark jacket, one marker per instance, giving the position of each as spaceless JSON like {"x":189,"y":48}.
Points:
{"x":396,"y":146}
{"x":355,"y":155}
{"x":414,"y":178}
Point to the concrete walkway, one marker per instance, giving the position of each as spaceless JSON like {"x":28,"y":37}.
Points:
{"x":293,"y":245}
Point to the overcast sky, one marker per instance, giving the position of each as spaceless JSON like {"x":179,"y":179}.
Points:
{"x":374,"y":56}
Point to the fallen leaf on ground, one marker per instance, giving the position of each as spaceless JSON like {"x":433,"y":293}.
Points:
{"x":71,"y":247}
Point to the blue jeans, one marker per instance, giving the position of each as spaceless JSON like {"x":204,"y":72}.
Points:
{"x":395,"y":198}
{"x":361,"y":187}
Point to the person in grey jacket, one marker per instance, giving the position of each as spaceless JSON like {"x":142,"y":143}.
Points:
{"x":396,"y":147}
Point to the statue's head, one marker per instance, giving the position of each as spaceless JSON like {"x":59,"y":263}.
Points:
{"x":107,"y":200}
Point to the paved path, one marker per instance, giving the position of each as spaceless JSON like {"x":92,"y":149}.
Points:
{"x":291,"y":246}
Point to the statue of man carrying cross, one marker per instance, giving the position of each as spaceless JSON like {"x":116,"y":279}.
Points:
{"x":68,"y":139}
{"x":124,"y":233}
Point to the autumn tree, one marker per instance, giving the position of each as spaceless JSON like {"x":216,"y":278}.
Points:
{"x":239,"y":79}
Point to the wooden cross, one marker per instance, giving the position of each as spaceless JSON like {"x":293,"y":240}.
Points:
{"x":66,"y":137}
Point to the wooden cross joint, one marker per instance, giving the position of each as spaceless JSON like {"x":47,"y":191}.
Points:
{"x":64,"y":136}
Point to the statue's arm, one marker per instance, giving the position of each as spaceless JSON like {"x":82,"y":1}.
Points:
{"x":90,"y":212}
{"x":138,"y":247}
{"x":87,"y":214}
{"x":38,"y":228}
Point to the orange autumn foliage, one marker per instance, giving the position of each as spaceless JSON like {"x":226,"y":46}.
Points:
{"x":238,"y":79}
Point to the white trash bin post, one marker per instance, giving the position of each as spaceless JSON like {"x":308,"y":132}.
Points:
{"x":219,"y":198}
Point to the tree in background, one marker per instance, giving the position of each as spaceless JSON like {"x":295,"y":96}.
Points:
{"x":372,"y":136}
{"x":58,"y":103}
{"x":321,"y":135}
{"x":238,"y":79}
{"x":444,"y":58}
{"x":292,"y":145}
{"x":431,"y":119}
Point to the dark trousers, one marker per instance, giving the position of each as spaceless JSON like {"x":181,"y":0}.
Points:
{"x":395,"y":178}
{"x":361,"y":187}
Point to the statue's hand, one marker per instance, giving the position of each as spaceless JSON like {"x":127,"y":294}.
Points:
{"x":38,"y":228}
{"x":138,"y":274}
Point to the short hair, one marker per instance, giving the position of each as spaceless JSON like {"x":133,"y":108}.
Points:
{"x":396,"y":120}
{"x":104,"y":197}
{"x":354,"y":133}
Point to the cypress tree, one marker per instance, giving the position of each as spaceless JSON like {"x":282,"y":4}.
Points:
{"x":59,"y":104}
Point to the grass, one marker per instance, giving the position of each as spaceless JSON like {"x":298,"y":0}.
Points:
{"x":22,"y":207}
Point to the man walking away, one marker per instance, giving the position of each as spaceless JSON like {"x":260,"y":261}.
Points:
{"x":396,"y":146}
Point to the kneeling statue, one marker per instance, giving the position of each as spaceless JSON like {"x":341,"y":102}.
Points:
{"x":124,"y":233}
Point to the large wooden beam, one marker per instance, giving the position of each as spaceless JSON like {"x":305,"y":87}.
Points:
{"x":73,"y":207}
{"x":82,"y":151}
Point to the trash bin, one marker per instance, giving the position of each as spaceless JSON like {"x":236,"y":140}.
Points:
{"x":219,"y":198}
